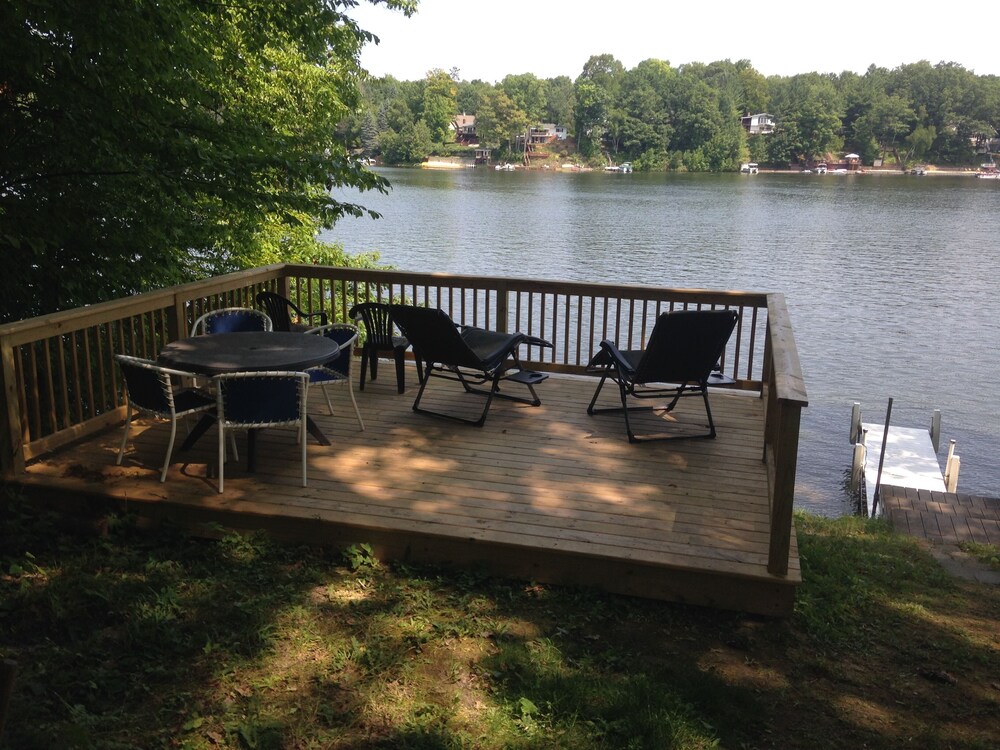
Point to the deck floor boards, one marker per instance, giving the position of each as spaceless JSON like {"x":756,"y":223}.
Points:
{"x":548,"y":491}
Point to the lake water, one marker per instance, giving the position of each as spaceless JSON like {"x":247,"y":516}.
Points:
{"x":892,"y":282}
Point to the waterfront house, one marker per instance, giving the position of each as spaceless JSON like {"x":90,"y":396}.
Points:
{"x":464,"y":127}
{"x":759,"y":124}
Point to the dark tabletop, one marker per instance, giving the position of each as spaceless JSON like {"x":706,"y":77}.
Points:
{"x":248,"y":352}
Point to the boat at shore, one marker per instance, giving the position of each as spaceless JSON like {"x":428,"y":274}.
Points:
{"x":988,"y":171}
{"x":749,"y":167}
{"x":625,"y":168}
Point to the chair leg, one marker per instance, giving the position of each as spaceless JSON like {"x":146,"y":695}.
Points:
{"x":357,"y":413}
{"x":400,"y":356}
{"x":590,"y":408}
{"x":708,"y":410}
{"x":302,"y":440}
{"x":222,"y":456}
{"x":170,"y":450}
{"x":329,"y":403}
{"x":373,"y":364}
{"x":128,"y":425}
{"x":364,"y":365}
{"x":628,"y":425}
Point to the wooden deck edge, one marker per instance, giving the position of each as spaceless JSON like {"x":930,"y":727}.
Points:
{"x":772,"y":596}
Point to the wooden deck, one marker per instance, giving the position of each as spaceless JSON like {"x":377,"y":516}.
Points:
{"x":548,"y":494}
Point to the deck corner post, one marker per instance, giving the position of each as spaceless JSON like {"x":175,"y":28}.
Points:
{"x":783,"y":489}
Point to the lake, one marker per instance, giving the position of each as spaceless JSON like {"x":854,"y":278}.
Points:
{"x":891,"y":281}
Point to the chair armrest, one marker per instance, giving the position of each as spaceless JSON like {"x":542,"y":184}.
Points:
{"x":615,"y":356}
{"x":303,"y":314}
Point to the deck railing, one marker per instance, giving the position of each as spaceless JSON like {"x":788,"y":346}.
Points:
{"x":60,"y":383}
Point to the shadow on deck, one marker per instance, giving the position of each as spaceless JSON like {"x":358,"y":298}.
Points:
{"x":547,"y":494}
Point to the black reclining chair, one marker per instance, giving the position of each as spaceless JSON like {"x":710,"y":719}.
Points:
{"x":683,"y":349}
{"x":472,"y":356}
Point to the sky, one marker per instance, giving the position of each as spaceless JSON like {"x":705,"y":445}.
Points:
{"x":489,"y":40}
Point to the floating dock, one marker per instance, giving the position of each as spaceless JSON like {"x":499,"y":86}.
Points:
{"x":906,"y":457}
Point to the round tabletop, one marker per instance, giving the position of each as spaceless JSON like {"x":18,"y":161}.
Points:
{"x":255,"y":351}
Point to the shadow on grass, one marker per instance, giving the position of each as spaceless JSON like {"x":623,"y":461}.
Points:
{"x":156,"y":639}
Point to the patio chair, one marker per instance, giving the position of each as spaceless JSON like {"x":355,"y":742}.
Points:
{"x":683,"y":349}
{"x":149,"y":389}
{"x":255,"y":400}
{"x":278,"y":307}
{"x":379,"y":337}
{"x":231,"y":320}
{"x":472,"y":356}
{"x":337,"y":372}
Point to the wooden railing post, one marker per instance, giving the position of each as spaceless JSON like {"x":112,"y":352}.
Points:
{"x":177,"y":327}
{"x":503,"y":307}
{"x":11,"y":438}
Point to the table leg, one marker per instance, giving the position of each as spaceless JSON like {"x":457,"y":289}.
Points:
{"x":206,"y":421}
{"x":316,"y":432}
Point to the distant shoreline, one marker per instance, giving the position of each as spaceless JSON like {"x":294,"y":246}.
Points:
{"x":445,"y":164}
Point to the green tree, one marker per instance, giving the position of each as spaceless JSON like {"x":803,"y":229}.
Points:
{"x":528,"y":92}
{"x":144,"y":143}
{"x":808,"y":112}
{"x":886,"y":123}
{"x":646,"y":130}
{"x":439,"y":104}
{"x":500,"y":121}
{"x":596,"y":91}
{"x":410,"y":146}
{"x":559,"y":101}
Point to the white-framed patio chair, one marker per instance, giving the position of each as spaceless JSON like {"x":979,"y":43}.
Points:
{"x":337,"y":372}
{"x":232,"y":320}
{"x":150,"y":389}
{"x":255,"y":400}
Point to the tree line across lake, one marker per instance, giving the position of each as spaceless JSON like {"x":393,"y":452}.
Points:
{"x":149,"y":144}
{"x":688,"y":117}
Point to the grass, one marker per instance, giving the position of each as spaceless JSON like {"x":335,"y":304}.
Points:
{"x":151,"y":638}
{"x":987,"y":554}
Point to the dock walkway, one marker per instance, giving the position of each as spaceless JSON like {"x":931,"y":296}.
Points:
{"x":910,"y":459}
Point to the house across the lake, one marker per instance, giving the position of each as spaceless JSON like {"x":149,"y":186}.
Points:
{"x":759,"y":124}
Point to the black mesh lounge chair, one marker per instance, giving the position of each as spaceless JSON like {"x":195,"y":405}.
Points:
{"x":472,"y":356}
{"x":278,"y":307}
{"x":683,"y":350}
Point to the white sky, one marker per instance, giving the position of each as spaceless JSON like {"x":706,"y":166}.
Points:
{"x":488,"y":40}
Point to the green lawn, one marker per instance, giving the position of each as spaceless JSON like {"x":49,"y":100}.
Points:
{"x":139,"y":638}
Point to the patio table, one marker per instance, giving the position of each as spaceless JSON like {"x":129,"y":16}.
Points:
{"x":255,"y":351}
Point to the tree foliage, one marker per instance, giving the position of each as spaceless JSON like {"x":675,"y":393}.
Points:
{"x":145,"y":143}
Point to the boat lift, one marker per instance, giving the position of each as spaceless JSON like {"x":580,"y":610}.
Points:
{"x":906,"y":457}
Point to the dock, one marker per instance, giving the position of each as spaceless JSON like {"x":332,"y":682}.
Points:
{"x":905,"y":458}
{"x":910,"y":458}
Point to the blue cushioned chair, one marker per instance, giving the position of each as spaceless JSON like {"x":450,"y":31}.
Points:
{"x":231,"y":320}
{"x":254,"y":400}
{"x":337,"y":372}
{"x":150,"y":389}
